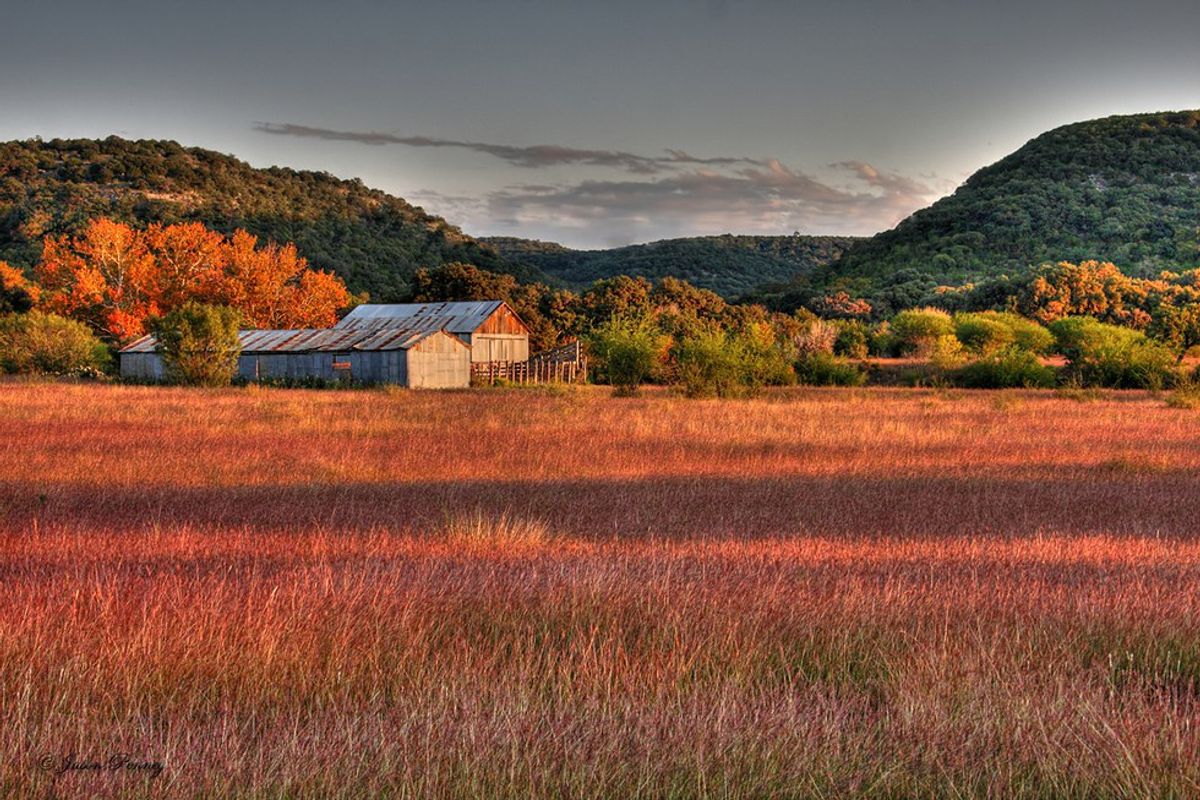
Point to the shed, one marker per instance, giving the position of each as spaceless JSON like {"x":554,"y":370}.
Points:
{"x":427,"y":359}
{"x":491,"y":328}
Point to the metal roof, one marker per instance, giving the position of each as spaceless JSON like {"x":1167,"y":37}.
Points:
{"x":315,"y":340}
{"x":461,"y":318}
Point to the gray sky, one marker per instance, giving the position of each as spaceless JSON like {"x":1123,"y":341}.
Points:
{"x":603,"y":123}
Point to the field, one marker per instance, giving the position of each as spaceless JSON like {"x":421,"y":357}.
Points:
{"x":821,"y":593}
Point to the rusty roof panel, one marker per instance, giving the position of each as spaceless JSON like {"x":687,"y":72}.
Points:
{"x":315,"y":340}
{"x":462,"y":318}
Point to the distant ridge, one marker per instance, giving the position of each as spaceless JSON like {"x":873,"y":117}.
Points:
{"x":728,"y":265}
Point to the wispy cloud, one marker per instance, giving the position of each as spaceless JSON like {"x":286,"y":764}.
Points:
{"x":769,"y":199}
{"x":529,"y":156}
{"x":674,"y":194}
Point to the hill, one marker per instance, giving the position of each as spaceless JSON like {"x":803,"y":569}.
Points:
{"x":728,"y":265}
{"x":1123,"y":189}
{"x":373,"y":240}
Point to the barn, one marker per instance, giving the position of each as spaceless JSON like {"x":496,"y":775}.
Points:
{"x":493,"y":331}
{"x":415,"y":357}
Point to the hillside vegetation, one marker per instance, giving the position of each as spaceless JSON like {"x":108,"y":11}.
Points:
{"x":371,"y":239}
{"x":1122,"y":189}
{"x":729,"y":265}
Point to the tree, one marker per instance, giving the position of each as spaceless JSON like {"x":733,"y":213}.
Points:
{"x":115,"y":277}
{"x":840,"y":305}
{"x":273,"y":287}
{"x":199,"y":344}
{"x":17,"y":293}
{"x":1177,"y":326}
{"x":48,"y":344}
{"x":919,"y":331}
{"x":190,"y":261}
{"x":629,"y":350}
{"x":103,"y":277}
{"x":1090,"y":288}
{"x":1112,"y":356}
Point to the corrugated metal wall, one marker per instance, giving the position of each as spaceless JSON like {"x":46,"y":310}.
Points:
{"x":142,"y":366}
{"x":438,"y":362}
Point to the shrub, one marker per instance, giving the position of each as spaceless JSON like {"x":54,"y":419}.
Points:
{"x":1027,"y":334}
{"x":1010,"y":368}
{"x":47,"y":344}
{"x":982,"y":334}
{"x":730,"y":365}
{"x":883,"y":341}
{"x":919,"y":330}
{"x":822,"y":369}
{"x":199,"y":344}
{"x":946,"y":353}
{"x":987,"y":332}
{"x":1186,"y":395}
{"x":707,"y":365}
{"x":819,"y":336}
{"x":1112,"y":356}
{"x":852,"y":340}
{"x":629,"y":351}
{"x":765,"y":360}
{"x":1178,"y":327}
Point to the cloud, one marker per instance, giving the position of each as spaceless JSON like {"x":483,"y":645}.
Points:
{"x":529,"y":156}
{"x":674,"y":194}
{"x":769,"y":199}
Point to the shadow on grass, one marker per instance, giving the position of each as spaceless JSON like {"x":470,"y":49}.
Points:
{"x":1108,"y":503}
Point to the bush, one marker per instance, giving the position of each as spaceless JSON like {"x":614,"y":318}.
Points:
{"x":919,"y":330}
{"x":629,"y":352}
{"x":765,"y":360}
{"x":199,"y":344}
{"x":706,"y":365}
{"x":47,"y":344}
{"x":730,"y":365}
{"x":1011,"y":368}
{"x":982,"y":334}
{"x":883,"y":341}
{"x":1027,"y":334}
{"x":987,"y":332}
{"x":852,"y":339}
{"x":819,"y":336}
{"x":822,"y":369}
{"x":946,"y":353}
{"x":1111,"y":356}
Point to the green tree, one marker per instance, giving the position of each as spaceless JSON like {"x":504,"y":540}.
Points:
{"x":1178,"y":327}
{"x":47,"y":344}
{"x":199,"y":344}
{"x":1112,"y":356}
{"x":920,"y":330}
{"x":629,"y":350}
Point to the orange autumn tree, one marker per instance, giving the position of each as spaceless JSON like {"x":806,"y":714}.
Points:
{"x":102,"y":277}
{"x":17,"y":293}
{"x":115,"y":277}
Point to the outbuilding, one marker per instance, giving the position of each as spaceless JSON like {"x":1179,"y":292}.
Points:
{"x":493,"y":331}
{"x":406,"y":356}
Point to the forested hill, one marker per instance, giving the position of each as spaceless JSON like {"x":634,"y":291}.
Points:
{"x":373,"y":240}
{"x":1122,"y":189}
{"x":728,"y":265}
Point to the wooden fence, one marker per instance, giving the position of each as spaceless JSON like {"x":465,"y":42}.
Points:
{"x":565,"y":364}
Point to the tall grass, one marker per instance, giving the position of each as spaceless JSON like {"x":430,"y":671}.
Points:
{"x":824,"y":593}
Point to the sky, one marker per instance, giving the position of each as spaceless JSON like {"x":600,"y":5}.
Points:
{"x":598,"y":124}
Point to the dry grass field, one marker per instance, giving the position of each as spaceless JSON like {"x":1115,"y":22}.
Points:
{"x":821,"y":593}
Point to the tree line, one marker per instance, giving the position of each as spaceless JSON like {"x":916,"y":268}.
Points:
{"x":195,"y":286}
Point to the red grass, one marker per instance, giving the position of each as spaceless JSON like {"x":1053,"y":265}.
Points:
{"x":823,"y":593}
